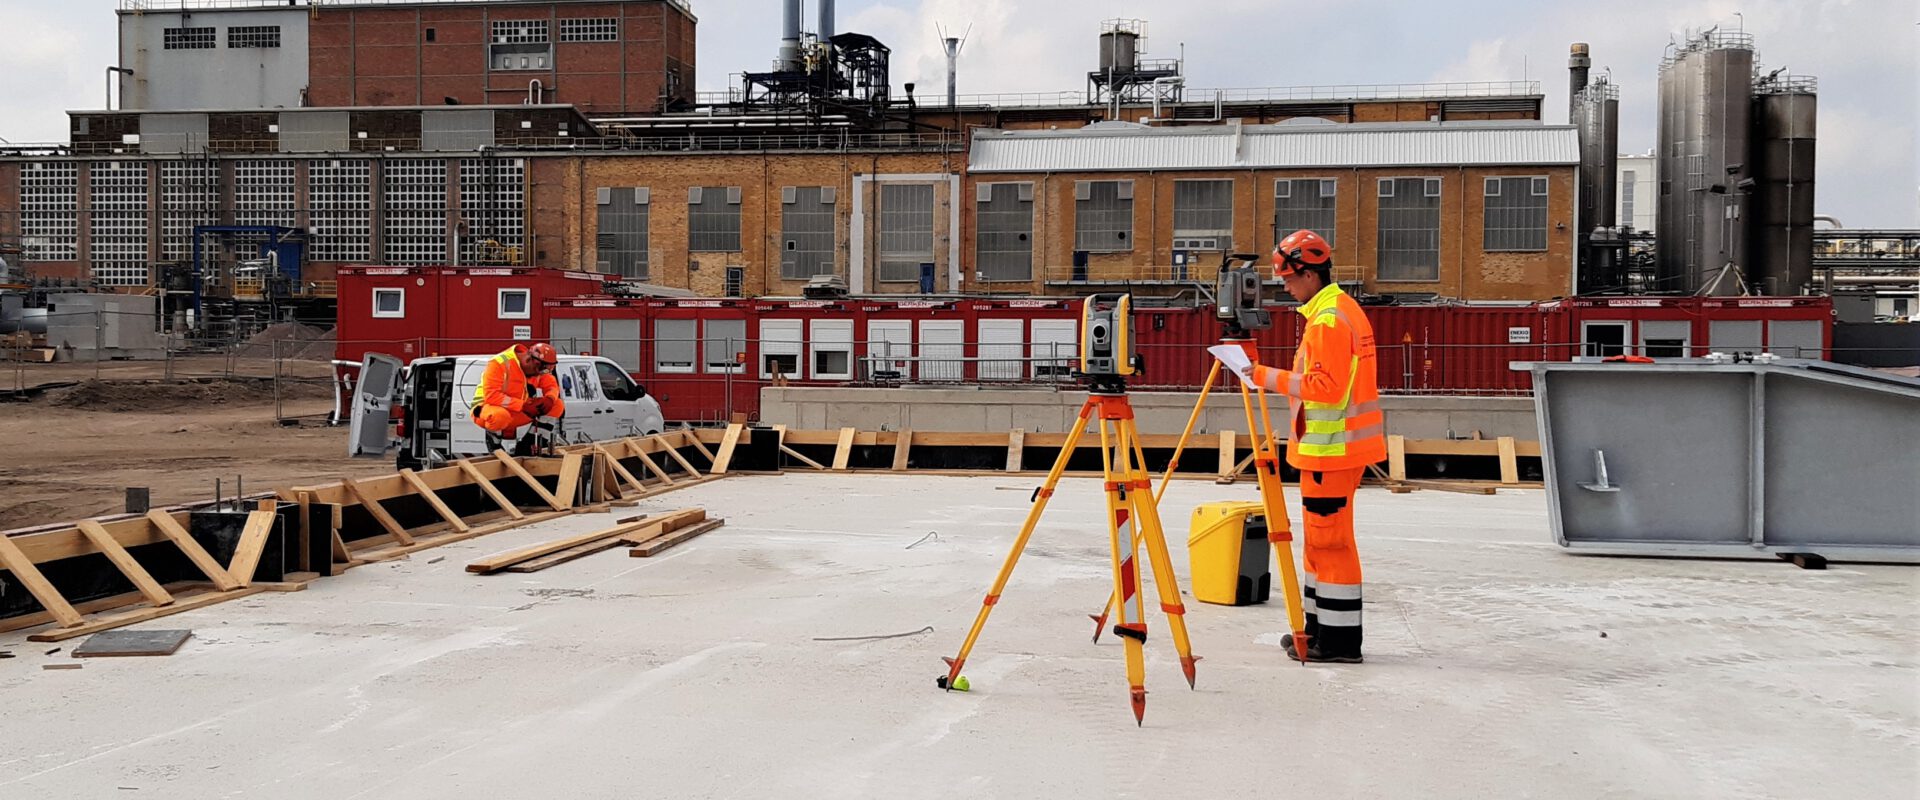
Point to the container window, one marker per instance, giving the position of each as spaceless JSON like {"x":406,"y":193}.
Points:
{"x":722,"y":340}
{"x":673,"y":345}
{"x":515,"y":303}
{"x":389,"y":303}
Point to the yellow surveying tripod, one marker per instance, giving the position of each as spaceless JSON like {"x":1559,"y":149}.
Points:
{"x":1106,"y":360}
{"x":1237,"y":306}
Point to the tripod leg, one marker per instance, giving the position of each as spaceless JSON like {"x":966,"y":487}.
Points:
{"x":1040,"y":498}
{"x":1179,"y":447}
{"x":1146,"y":513}
{"x":1132,"y":625}
{"x":1279,"y":531}
{"x":1199,"y":405}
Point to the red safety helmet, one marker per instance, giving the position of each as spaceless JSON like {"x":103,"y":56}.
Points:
{"x":543,"y":353}
{"x":1301,"y":249}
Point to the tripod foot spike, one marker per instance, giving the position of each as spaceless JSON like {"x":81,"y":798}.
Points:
{"x":1186,"y":666}
{"x":953,"y":673}
{"x":1300,"y":646}
{"x":1099,"y":624}
{"x":1139,"y":706}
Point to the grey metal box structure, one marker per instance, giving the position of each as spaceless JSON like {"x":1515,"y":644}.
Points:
{"x":1720,"y":459}
{"x":93,"y":327}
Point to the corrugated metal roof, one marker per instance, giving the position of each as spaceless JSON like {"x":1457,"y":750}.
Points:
{"x":1117,"y":147}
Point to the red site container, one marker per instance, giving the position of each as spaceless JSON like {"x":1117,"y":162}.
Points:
{"x":411,"y":312}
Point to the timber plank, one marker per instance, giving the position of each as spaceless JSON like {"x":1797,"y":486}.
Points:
{"x":253,"y":542}
{"x":843,"y":449}
{"x":142,"y":615}
{"x":1397,"y":458}
{"x":651,"y":465}
{"x":724,"y":457}
{"x":499,"y":561}
{"x":902,"y":448}
{"x":125,"y":562}
{"x":1509,"y":462}
{"x":379,"y":512}
{"x":29,"y":576}
{"x":677,"y":537}
{"x":513,"y":466}
{"x":487,"y":486}
{"x":433,"y":500}
{"x":693,"y":438}
{"x":1227,"y":468}
{"x":569,"y":484}
{"x":684,"y":463}
{"x":201,"y":559}
{"x":619,"y":470}
{"x":1016,"y":449}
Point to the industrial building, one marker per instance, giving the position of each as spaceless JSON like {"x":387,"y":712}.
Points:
{"x":602,"y":57}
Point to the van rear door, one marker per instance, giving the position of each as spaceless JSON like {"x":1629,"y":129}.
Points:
{"x":372,"y":405}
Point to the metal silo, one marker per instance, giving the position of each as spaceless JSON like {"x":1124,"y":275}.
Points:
{"x":1781,"y":217}
{"x":1594,"y":111}
{"x":1120,"y":45}
{"x":1707,"y":110}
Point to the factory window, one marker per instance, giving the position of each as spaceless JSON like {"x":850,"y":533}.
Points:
{"x":713,"y":219}
{"x":1627,"y":177}
{"x":590,"y":29}
{"x":1003,"y":244}
{"x":415,"y":229}
{"x":253,"y":36}
{"x":519,"y":31}
{"x":722,"y":341}
{"x":263,"y":192}
{"x":430,"y":34}
{"x":1103,"y":216}
{"x":50,"y":211}
{"x":340,"y":215}
{"x":389,"y":303}
{"x":1203,"y":211}
{"x":906,"y":230}
{"x":189,"y":39}
{"x":673,"y":345}
{"x":189,"y":196}
{"x":1515,"y":216}
{"x":1409,"y":229}
{"x":806,"y":232}
{"x":515,"y":304}
{"x":117,"y":195}
{"x":493,"y":203}
{"x":621,"y":238}
{"x":1304,"y":204}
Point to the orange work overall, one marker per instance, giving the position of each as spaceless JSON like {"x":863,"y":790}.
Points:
{"x":1337,"y":431}
{"x":500,"y":401}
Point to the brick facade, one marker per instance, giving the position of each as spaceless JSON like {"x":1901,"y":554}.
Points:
{"x":370,"y":56}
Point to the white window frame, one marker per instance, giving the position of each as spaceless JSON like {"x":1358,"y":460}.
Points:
{"x":399,"y":291}
{"x":830,"y":336}
{"x":700,"y":352}
{"x":676,"y":368}
{"x":783,"y":337}
{"x":1040,"y":345}
{"x":500,"y":304}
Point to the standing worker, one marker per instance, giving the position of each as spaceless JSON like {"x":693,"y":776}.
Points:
{"x":502,"y":403}
{"x":1337,"y":432}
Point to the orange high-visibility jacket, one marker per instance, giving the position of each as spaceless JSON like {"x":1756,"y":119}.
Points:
{"x":1333,"y":389}
{"x":504,"y":384}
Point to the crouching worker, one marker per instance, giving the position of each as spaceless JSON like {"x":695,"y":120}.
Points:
{"x":515,"y":391}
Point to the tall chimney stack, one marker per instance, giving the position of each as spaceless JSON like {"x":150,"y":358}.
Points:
{"x":789,"y":60}
{"x":1577,"y":65}
{"x":953,"y":70}
{"x":826,"y":30}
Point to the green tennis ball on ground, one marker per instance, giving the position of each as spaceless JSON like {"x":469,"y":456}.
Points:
{"x":961,"y":683}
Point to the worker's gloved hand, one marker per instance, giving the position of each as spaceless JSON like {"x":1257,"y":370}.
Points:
{"x":539,"y":406}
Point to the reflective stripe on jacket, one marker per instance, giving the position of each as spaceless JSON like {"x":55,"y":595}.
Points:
{"x":504,"y":384}
{"x":1333,"y":388}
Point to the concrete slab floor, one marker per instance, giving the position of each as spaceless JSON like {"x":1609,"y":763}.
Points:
{"x":1498,"y":666}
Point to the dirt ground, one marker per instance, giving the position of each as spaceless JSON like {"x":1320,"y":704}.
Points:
{"x":75,"y":450}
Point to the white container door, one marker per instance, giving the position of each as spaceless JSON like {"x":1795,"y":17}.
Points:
{"x":1002,"y":346}
{"x":941,"y":349}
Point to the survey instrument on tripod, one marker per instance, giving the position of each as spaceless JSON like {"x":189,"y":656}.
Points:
{"x":1106,"y":359}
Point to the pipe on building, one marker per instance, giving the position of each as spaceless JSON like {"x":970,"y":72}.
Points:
{"x":789,"y":60}
{"x":1578,"y":62}
{"x":1829,"y":220}
{"x":826,"y":25}
{"x":535,"y":92}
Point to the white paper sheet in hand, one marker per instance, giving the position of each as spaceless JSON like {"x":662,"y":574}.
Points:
{"x":1234,"y":359}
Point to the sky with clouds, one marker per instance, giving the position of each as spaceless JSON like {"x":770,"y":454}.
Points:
{"x":1866,"y":54}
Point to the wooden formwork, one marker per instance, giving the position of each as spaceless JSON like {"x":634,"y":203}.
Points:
{"x":325,"y":529}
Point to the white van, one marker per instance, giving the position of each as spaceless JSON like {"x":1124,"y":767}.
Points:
{"x":435,"y":426}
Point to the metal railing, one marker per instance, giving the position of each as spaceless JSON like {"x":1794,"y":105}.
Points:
{"x":693,"y":141}
{"x":1351,"y":91}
